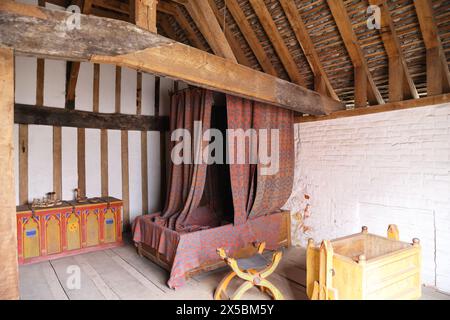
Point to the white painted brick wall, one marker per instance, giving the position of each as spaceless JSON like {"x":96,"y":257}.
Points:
{"x":374,"y":170}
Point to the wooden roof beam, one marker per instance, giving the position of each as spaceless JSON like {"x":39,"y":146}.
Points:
{"x":234,"y":43}
{"x":399,"y":76}
{"x":167,"y":28}
{"x":113,"y":5}
{"x":438,"y":74}
{"x":365,"y":88}
{"x":250,"y":36}
{"x":282,"y":50}
{"x":307,"y":46}
{"x":169,"y":8}
{"x":146,"y":52}
{"x":390,"y":106}
{"x":203,"y":16}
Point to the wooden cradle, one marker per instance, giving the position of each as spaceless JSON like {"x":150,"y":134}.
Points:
{"x":364,"y":266}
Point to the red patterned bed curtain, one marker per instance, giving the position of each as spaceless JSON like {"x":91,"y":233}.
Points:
{"x":257,"y":193}
{"x":183,"y":210}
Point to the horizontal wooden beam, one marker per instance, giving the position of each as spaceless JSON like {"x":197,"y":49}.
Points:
{"x":47,"y":37}
{"x":27,"y":114}
{"x":392,"y":106}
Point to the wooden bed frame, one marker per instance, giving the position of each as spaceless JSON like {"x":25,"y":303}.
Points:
{"x":153,"y":255}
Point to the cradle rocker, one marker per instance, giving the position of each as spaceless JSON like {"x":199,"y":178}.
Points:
{"x":254,"y":270}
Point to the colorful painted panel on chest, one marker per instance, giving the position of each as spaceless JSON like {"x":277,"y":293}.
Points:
{"x":68,"y":229}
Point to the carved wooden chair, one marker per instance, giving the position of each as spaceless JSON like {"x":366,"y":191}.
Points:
{"x":254,"y":270}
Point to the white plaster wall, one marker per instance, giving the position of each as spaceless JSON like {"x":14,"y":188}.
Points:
{"x":115,"y":163}
{"x":69,"y":149}
{"x":84,"y":94}
{"x":129,"y":87}
{"x":93,"y":167}
{"x":55,"y":83}
{"x":107,"y":103}
{"x":40,"y":161}
{"x":148,"y":94}
{"x":25,"y":82}
{"x":375,"y":170}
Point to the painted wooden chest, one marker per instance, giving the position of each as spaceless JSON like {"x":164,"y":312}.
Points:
{"x":68,"y":229}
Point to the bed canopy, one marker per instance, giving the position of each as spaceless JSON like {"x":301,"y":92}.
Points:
{"x":219,"y":205}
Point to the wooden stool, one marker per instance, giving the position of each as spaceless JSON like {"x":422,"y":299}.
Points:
{"x":254,"y":270}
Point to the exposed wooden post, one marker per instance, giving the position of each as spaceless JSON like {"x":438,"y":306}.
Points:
{"x":145,"y":14}
{"x":396,"y":76}
{"x":57,"y":161}
{"x":40,"y":82}
{"x":124,"y":156}
{"x":81,"y":160}
{"x":104,"y":162}
{"x":434,"y":72}
{"x":438,"y":73}
{"x":144,"y":156}
{"x":144,"y":171}
{"x":9,"y":277}
{"x":162,"y":147}
{"x":125,"y":181}
{"x":360,"y":87}
{"x":23,"y":164}
{"x":118,"y":88}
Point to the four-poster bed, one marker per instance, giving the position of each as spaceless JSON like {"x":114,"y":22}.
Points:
{"x":183,"y":238}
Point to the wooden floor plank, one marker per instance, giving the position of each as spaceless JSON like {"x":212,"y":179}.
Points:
{"x":151,"y":271}
{"x":134,"y":273}
{"x":88,"y":289}
{"x":106,"y":291}
{"x":33,"y":284}
{"x":120,"y":273}
{"x":124,"y":285}
{"x":53,"y":282}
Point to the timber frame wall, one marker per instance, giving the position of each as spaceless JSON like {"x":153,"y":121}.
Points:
{"x":128,"y":126}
